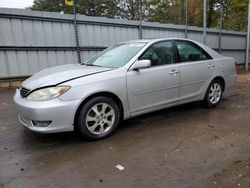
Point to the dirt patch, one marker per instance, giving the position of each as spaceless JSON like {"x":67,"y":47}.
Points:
{"x":235,"y":175}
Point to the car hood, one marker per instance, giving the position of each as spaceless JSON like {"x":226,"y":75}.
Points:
{"x":59,"y":74}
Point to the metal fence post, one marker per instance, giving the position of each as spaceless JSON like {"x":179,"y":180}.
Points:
{"x":76,"y":34}
{"x":248,"y":36}
{"x":140,"y":18}
{"x":204,"y":21}
{"x":220,"y":32}
{"x":186,"y":20}
{"x":219,"y":45}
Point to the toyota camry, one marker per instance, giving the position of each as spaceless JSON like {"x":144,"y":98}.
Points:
{"x":121,"y":82}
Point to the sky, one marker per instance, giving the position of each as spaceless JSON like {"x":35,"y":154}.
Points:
{"x":15,"y":3}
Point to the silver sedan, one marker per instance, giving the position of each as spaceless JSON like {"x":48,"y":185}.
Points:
{"x":123,"y":81}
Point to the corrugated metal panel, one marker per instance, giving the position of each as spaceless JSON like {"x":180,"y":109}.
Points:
{"x":96,"y":35}
{"x":4,"y":70}
{"x":233,"y":42}
{"x":238,"y":55}
{"x":213,"y":40}
{"x":195,"y":35}
{"x":22,"y":63}
{"x":31,"y":30}
{"x":154,"y":33}
{"x":19,"y":32}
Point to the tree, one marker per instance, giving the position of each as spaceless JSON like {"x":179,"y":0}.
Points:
{"x":51,"y":6}
{"x":168,"y":11}
{"x":211,"y":6}
{"x":235,"y":16}
{"x":87,"y":7}
{"x":182,"y":11}
{"x":233,"y":12}
{"x":195,"y":12}
{"x":128,"y":9}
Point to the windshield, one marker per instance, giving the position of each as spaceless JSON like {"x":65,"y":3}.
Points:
{"x":116,"y":56}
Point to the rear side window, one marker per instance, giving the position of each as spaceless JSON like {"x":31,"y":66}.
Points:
{"x":189,"y":52}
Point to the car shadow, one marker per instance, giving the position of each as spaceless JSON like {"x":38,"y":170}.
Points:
{"x":73,"y":137}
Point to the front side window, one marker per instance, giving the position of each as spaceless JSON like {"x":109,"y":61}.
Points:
{"x":189,"y":51}
{"x":116,"y":56}
{"x":160,"y":54}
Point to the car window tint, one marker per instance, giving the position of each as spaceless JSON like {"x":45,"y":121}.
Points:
{"x":189,"y":51}
{"x":159,"y":54}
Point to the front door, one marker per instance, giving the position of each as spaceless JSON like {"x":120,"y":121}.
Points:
{"x":157,"y":86}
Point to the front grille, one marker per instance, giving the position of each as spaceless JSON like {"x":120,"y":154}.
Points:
{"x":24,"y":92}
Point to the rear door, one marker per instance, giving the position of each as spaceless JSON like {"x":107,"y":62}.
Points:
{"x":196,"y":68}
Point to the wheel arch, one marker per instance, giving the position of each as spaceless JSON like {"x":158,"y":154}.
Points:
{"x":221,"y":79}
{"x":111,"y":95}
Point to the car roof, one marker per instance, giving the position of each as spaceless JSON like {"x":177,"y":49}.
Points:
{"x":152,"y":40}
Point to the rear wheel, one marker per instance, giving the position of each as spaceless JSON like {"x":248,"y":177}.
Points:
{"x":98,"y":118}
{"x":214,"y":94}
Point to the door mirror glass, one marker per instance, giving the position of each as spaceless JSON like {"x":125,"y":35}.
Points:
{"x":142,"y":64}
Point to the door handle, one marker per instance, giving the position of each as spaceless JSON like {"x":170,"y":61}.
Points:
{"x":210,"y":65}
{"x":173,"y":72}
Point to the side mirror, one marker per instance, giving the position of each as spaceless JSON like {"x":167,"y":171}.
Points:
{"x":141,"y":64}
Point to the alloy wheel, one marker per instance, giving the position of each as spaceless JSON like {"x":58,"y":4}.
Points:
{"x":215,"y":92}
{"x":100,"y":118}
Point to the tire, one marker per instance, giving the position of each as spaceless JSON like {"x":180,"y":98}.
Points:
{"x":98,"y":118}
{"x":214,"y":94}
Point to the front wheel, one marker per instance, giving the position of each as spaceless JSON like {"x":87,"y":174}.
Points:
{"x":98,"y":118}
{"x":214,"y":94}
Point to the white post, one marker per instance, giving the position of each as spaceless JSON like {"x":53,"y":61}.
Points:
{"x":248,"y":36}
{"x":204,"y":21}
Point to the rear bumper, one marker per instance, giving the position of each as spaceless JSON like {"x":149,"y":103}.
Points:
{"x":230,"y":81}
{"x":60,"y":113}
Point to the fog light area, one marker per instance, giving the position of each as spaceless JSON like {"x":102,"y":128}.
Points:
{"x":41,"y":123}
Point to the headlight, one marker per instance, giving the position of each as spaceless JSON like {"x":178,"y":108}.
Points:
{"x":47,"y":93}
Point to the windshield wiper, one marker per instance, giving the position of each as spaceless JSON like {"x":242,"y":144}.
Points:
{"x":91,"y":65}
